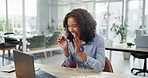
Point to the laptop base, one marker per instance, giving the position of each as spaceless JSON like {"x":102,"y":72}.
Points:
{"x":43,"y":74}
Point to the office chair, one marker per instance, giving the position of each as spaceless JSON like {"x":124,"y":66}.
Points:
{"x":52,"y":41}
{"x":140,"y":56}
{"x":11,"y":40}
{"x":37,"y":42}
{"x":141,"y":42}
{"x":107,"y":67}
{"x":5,"y":46}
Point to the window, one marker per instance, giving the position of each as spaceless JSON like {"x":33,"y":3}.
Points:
{"x":146,"y":16}
{"x":2,"y":16}
{"x":14,"y":16}
{"x":108,"y":13}
{"x":31,"y":16}
{"x":134,"y":18}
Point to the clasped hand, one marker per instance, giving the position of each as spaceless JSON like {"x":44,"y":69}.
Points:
{"x":63,"y":43}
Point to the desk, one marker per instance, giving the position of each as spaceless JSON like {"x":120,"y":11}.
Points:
{"x":125,"y":48}
{"x":20,"y":37}
{"x":63,"y":72}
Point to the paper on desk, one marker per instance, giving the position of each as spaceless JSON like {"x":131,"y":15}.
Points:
{"x":4,"y":75}
{"x":11,"y":68}
{"x":89,"y":76}
{"x":36,"y":68}
{"x":7,"y":68}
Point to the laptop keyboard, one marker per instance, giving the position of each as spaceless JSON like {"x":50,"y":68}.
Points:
{"x":43,"y":74}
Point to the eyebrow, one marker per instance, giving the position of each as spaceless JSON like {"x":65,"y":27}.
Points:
{"x":72,"y":24}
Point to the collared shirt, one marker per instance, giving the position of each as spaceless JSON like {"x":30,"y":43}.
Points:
{"x":95,"y":54}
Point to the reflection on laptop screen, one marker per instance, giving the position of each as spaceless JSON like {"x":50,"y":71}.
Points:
{"x":24,"y":66}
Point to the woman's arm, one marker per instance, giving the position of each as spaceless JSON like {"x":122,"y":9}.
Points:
{"x":63,"y":43}
{"x":98,"y":62}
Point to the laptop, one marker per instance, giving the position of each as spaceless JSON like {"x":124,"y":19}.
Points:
{"x":24,"y":66}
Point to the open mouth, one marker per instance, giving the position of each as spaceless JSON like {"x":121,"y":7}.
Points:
{"x":74,"y":33}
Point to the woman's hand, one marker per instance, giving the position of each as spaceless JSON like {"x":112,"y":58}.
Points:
{"x":63,"y":43}
{"x":78,"y":43}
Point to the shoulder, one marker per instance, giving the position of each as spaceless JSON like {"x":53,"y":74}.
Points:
{"x":98,"y":40}
{"x":98,"y":37}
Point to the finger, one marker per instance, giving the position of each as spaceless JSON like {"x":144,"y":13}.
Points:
{"x":74,"y":42}
{"x":59,"y":38}
{"x":63,"y":38}
{"x":77,"y":39}
{"x":75,"y":36}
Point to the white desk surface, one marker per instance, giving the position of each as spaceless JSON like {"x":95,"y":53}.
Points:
{"x":63,"y":72}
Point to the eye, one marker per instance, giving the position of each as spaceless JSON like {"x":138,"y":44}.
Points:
{"x":74,"y":26}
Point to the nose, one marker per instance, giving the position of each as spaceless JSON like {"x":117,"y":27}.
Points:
{"x":70,"y":29}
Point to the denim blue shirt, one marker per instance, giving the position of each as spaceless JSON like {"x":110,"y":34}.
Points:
{"x":95,"y":54}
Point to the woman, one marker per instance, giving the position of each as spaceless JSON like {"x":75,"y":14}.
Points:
{"x":82,"y":43}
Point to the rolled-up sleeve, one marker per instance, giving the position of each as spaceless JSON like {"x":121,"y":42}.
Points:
{"x":68,"y":60}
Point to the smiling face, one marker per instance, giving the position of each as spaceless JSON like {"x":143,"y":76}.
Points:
{"x":73,"y":27}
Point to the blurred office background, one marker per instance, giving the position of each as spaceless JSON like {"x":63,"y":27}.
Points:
{"x":37,"y":17}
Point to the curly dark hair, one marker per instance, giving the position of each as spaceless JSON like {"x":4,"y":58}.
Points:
{"x":85,"y":21}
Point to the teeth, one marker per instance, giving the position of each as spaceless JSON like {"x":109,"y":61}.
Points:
{"x":73,"y":33}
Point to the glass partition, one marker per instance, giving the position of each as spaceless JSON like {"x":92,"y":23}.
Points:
{"x":45,"y":17}
{"x":63,"y":9}
{"x":134,"y":18}
{"x":31,"y":16}
{"x":146,"y":16}
{"x":46,"y":20}
{"x":107,"y":14}
{"x":14,"y":16}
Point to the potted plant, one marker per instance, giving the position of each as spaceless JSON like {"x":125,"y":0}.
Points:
{"x":120,"y":31}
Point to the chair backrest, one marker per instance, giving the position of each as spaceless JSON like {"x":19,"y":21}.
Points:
{"x":8,"y":33}
{"x":53,"y":39}
{"x":37,"y":41}
{"x":107,"y":67}
{"x":141,"y":42}
{"x":7,"y":39}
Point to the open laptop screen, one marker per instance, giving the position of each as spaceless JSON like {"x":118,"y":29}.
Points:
{"x":24,"y":65}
